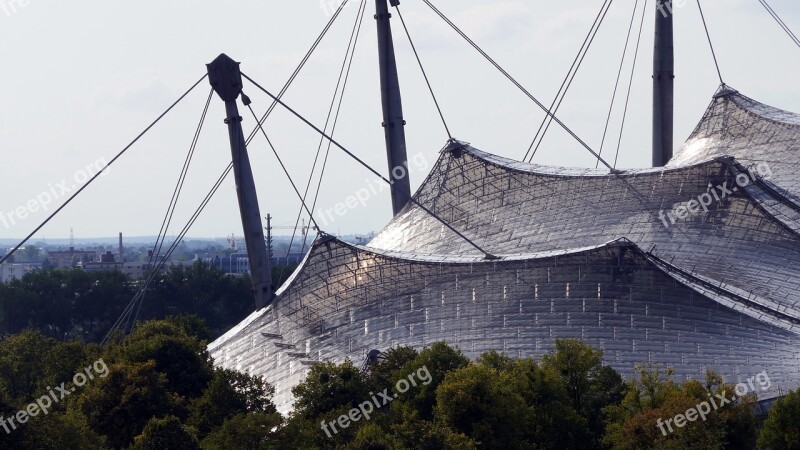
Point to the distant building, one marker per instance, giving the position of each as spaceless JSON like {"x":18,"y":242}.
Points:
{"x":107,"y":262}
{"x":292,"y":258}
{"x":361,"y":240}
{"x":236,"y":263}
{"x":11,"y":271}
{"x":135,"y":270}
{"x":63,"y":259}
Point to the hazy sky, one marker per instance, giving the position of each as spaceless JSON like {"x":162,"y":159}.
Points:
{"x":81,"y":79}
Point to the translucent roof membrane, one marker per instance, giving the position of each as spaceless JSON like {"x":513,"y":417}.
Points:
{"x":515,"y":210}
{"x":694,"y":266}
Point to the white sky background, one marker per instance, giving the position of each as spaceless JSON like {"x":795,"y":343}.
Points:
{"x":81,"y":79}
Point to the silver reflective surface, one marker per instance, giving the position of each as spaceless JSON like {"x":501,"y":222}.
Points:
{"x":586,"y":255}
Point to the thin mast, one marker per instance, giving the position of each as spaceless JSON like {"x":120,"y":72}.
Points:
{"x":663,"y":85}
{"x":226,"y":79}
{"x":393,"y":123}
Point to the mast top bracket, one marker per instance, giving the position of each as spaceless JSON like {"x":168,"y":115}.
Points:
{"x":225,"y":77}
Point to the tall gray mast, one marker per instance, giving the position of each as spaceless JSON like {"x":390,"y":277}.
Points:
{"x":393,"y":123}
{"x":663,"y":85}
{"x":226,"y":79}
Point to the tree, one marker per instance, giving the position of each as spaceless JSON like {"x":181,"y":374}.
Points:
{"x":591,"y":386}
{"x":65,"y":304}
{"x":24,"y":369}
{"x":7,"y":409}
{"x":329,"y":387}
{"x":229,"y":393}
{"x":153,"y":380}
{"x":193,"y":325}
{"x":166,"y":433}
{"x":30,"y":253}
{"x":296,"y":432}
{"x":73,"y":304}
{"x":393,"y":360}
{"x":182,"y":358}
{"x":121,"y":404}
{"x":59,"y":431}
{"x":414,"y":433}
{"x":247,"y":431}
{"x":221,"y":300}
{"x":372,"y":437}
{"x":484,"y":404}
{"x":439,"y":359}
{"x":554,"y":422}
{"x":646,"y":418}
{"x":498,"y":361}
{"x":781,"y":430}
{"x":63,"y":360}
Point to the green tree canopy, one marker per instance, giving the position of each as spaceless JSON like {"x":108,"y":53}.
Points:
{"x":229,"y":393}
{"x":590,"y":385}
{"x":247,"y":431}
{"x":646,"y":418}
{"x":181,"y":357}
{"x":484,"y":404}
{"x":439,"y":359}
{"x":165,"y":433}
{"x":781,"y":430}
{"x":121,"y":404}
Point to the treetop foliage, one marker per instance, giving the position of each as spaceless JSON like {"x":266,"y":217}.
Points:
{"x":162,"y":391}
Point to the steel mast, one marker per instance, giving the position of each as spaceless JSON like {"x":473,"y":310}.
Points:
{"x":393,"y":123}
{"x":226,"y":79}
{"x":663,"y":85}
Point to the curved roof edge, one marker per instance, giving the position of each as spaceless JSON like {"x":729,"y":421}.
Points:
{"x":783,"y":210}
{"x":728,"y":296}
{"x":725,"y":296}
{"x":731,"y":297}
{"x":577,"y":172}
{"x":568,"y":172}
{"x":325,"y":239}
{"x":765,"y":111}
{"x":765,"y":190}
{"x":761,"y":191}
{"x":238,"y":328}
{"x":747,"y":104}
